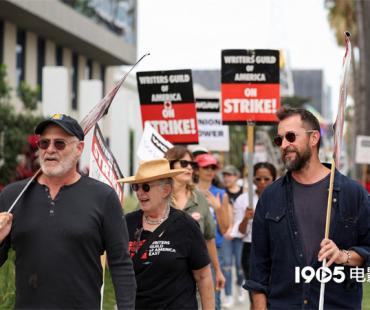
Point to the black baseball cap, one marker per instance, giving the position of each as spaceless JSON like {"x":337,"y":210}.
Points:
{"x":66,"y":122}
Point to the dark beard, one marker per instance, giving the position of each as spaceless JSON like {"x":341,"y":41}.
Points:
{"x":299,"y":162}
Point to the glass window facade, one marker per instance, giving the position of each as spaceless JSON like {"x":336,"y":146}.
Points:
{"x":40,"y":62}
{"x":59,"y":56}
{"x":1,"y":41}
{"x":74,"y":80}
{"x":20,"y":56}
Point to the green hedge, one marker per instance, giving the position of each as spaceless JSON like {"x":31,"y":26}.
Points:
{"x":7,"y":283}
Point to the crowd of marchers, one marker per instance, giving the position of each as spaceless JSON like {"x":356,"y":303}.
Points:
{"x":195,"y":223}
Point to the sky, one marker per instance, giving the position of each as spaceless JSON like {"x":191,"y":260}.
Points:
{"x":190,"y":34}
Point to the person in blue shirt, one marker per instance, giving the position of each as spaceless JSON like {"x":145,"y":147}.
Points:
{"x":289,"y":224}
{"x":219,"y":205}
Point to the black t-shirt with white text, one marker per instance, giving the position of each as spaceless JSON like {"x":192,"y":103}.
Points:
{"x":164,"y":277}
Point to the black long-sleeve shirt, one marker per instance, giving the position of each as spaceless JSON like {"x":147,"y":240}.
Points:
{"x":58,"y":244}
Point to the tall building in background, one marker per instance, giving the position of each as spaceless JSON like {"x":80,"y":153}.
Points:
{"x":311,"y":84}
{"x":119,"y":16}
{"x":42,"y":33}
{"x":74,"y":51}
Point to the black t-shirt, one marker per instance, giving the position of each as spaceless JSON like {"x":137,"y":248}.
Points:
{"x":58,"y":244}
{"x":310,"y":201}
{"x":165,"y":279}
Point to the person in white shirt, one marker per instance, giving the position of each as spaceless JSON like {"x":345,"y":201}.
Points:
{"x":264,"y":174}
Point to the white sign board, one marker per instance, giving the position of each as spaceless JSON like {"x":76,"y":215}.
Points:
{"x":152,"y":144}
{"x":212,"y":134}
{"x":363,"y":150}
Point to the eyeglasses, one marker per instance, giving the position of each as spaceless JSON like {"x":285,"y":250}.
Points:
{"x":259,"y":179}
{"x":210,"y":167}
{"x":59,"y":144}
{"x":145,"y":186}
{"x":185,"y":163}
{"x":290,"y":136}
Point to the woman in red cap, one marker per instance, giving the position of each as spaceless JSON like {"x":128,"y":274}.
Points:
{"x":217,"y":199}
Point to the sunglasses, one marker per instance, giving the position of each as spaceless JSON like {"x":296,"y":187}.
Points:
{"x":145,"y":186}
{"x":259,"y":179}
{"x":290,"y":136}
{"x":210,"y":167}
{"x":185,"y":163}
{"x":59,"y":144}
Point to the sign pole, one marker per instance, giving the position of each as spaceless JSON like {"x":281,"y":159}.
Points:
{"x":250,"y":143}
{"x":338,"y":133}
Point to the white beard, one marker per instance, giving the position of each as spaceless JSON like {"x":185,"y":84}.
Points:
{"x":62,"y":167}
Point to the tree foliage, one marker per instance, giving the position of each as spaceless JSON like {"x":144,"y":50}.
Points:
{"x":354,"y":16}
{"x":15,"y":126}
{"x":342,"y":18}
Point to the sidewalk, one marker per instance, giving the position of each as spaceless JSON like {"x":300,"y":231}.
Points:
{"x":245,"y":305}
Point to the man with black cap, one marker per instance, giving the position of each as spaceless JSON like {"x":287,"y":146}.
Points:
{"x":61,"y":226}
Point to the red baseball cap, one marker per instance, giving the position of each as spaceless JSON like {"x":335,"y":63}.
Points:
{"x":205,"y":160}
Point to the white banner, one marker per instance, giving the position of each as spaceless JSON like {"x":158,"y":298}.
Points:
{"x":212,"y":134}
{"x":152,"y":144}
{"x":103,"y":165}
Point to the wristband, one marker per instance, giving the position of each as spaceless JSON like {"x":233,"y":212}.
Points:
{"x":348,"y":257}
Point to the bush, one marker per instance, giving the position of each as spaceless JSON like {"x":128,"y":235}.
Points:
{"x":7,"y":283}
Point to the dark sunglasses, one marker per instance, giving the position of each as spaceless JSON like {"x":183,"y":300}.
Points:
{"x":212,"y":167}
{"x":290,"y":136}
{"x":259,"y":179}
{"x":185,"y":163}
{"x":59,"y":144}
{"x":145,"y":186}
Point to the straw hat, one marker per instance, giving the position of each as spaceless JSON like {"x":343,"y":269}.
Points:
{"x":156,"y":169}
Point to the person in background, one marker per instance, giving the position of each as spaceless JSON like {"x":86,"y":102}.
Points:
{"x":168,"y":250}
{"x":289,"y":226}
{"x":61,"y":226}
{"x":264,"y":174}
{"x":198,"y":150}
{"x":218,"y":202}
{"x":187,"y":198}
{"x":367,"y":183}
{"x":232,"y":244}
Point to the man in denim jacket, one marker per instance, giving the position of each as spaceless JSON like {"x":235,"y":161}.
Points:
{"x":289,"y":225}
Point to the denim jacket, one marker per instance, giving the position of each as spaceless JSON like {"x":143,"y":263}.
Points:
{"x":277,"y":247}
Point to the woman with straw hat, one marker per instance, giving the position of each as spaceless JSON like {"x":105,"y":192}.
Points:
{"x":166,"y":245}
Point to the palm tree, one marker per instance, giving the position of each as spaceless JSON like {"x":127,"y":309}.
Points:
{"x":354,"y":16}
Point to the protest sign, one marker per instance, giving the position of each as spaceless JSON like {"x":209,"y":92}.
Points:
{"x":212,"y":134}
{"x":103,"y":165}
{"x":362,"y":150}
{"x":250,"y":89}
{"x":152,"y":145}
{"x":167,"y":103}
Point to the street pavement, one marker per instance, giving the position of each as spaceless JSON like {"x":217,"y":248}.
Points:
{"x":245,"y":305}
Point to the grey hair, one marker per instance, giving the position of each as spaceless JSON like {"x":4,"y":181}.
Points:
{"x":170,"y":182}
